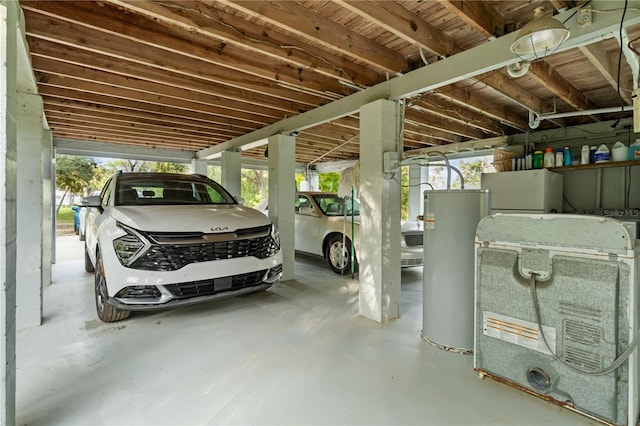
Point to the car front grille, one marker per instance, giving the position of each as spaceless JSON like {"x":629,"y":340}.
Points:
{"x":170,"y":252}
{"x":216,"y":285}
{"x":412,"y":240}
{"x":411,"y":262}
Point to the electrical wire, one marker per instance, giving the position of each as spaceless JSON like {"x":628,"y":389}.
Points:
{"x":614,"y":365}
{"x":568,"y":202}
{"x":624,"y":12}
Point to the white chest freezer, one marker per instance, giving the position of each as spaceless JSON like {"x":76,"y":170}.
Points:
{"x":525,"y":191}
{"x":556,"y":300}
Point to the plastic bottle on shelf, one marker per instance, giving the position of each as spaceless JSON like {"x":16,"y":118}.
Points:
{"x":568,"y":156}
{"x":549,"y":158}
{"x":584,"y":154}
{"x":602,"y":154}
{"x":634,"y":150}
{"x":592,"y":154}
{"x":538,"y":157}
{"x":619,"y":152}
{"x":559,"y":157}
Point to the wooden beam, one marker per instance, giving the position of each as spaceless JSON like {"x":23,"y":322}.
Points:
{"x":603,"y":62}
{"x":549,"y":77}
{"x":478,"y":14}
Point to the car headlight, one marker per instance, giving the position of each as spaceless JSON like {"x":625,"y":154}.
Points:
{"x":129,"y":246}
{"x":275,"y":235}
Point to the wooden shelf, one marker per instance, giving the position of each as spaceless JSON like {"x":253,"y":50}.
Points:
{"x":596,"y":166}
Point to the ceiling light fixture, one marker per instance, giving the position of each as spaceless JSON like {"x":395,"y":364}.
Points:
{"x":540,"y":37}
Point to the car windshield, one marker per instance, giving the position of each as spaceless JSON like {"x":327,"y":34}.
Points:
{"x":332,"y":205}
{"x":168,"y":190}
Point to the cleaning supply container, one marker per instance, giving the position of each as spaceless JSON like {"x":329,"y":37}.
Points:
{"x":634,"y":150}
{"x":619,"y":152}
{"x":602,"y":154}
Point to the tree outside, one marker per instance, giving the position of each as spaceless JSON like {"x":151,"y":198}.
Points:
{"x":73,"y":174}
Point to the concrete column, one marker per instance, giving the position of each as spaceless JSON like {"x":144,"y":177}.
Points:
{"x":282,"y":168}
{"x":379,"y":254}
{"x":29,"y":211}
{"x":198,"y":167}
{"x":417,"y":178}
{"x":8,"y":191}
{"x":48,"y":207}
{"x":232,"y":172}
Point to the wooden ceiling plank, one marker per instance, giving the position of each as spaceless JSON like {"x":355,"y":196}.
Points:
{"x":117,"y":48}
{"x":230,"y":98}
{"x":549,"y":77}
{"x":601,"y":60}
{"x":82,"y":134}
{"x":59,"y":117}
{"x":103,"y":100}
{"x":67,"y":106}
{"x":480,"y":15}
{"x":401,"y":22}
{"x":201,"y":49}
{"x":89,"y":87}
{"x":307,"y":25}
{"x":198,"y":17}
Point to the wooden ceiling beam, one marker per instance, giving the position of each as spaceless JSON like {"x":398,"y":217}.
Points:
{"x":119,"y":49}
{"x":131,"y":105}
{"x":608,"y":67}
{"x":549,"y":77}
{"x":239,"y":119}
{"x":478,"y":14}
{"x":195,"y":16}
{"x":307,"y":25}
{"x":107,"y":137}
{"x":197,"y":47}
{"x":140,"y":128}
{"x":229,"y":97}
{"x":115,"y":113}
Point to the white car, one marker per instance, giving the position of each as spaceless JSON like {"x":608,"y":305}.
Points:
{"x":158,"y":240}
{"x":321,"y":229}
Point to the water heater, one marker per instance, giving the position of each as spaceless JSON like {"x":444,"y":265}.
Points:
{"x":556,"y":310}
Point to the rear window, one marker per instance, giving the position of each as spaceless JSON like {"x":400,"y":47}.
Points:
{"x":148,"y":190}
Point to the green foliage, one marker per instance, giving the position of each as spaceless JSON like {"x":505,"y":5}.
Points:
{"x":74,"y":173}
{"x":254,"y":186}
{"x":329,"y":182}
{"x":65,"y":214}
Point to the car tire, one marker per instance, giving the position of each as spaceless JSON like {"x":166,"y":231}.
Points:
{"x":339,"y":265}
{"x":88,"y":266}
{"x":75,"y":228}
{"x":106,"y":312}
{"x":81,"y":235}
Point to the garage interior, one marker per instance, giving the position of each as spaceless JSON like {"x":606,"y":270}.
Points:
{"x":290,"y":86}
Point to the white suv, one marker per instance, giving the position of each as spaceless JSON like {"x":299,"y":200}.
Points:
{"x":156,"y":240}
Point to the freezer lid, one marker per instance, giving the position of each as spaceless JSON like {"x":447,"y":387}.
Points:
{"x":562,"y":230}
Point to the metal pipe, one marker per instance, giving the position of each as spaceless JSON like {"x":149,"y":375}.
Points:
{"x":539,"y":117}
{"x":446,"y":160}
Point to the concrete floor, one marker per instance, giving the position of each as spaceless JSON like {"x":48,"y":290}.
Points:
{"x":297,"y":354}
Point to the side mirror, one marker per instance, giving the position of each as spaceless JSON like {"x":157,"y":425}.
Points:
{"x":92,"y":201}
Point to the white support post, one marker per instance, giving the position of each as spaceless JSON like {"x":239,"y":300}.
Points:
{"x":198,"y":167}
{"x":282,"y":150}
{"x":29,"y":210}
{"x":8,"y":191}
{"x":311,"y":181}
{"x":48,"y":207}
{"x":231,"y":168}
{"x":379,"y":254}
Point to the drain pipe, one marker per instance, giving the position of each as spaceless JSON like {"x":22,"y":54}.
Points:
{"x":535,"y":118}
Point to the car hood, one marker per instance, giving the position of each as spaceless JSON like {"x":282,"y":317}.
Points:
{"x":189,"y":218}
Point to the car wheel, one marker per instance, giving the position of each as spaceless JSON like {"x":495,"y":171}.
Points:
{"x":88,"y":266}
{"x":75,"y":228}
{"x":106,"y":312}
{"x":339,"y":255}
{"x":81,"y":235}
